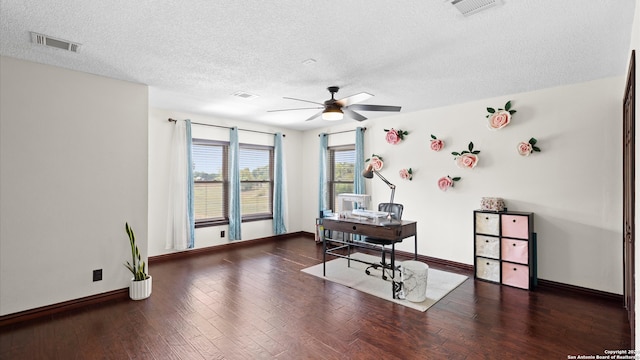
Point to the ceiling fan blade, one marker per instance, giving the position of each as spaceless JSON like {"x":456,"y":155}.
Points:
{"x":313,"y":102}
{"x":315,"y":116}
{"x":317,"y":107}
{"x":367,"y":107}
{"x":352,"y":114}
{"x":354,"y":99}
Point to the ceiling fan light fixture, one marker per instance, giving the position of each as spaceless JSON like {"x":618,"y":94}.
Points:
{"x":332,"y":114}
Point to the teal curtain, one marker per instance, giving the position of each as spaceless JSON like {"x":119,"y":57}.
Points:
{"x":235,"y":215}
{"x":322,"y":177}
{"x":190,"y":190}
{"x":279,"y":204}
{"x":358,"y":180}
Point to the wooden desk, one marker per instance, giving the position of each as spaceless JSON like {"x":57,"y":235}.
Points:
{"x":395,"y":232}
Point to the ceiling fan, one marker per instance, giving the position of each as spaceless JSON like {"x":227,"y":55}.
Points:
{"x":333,"y":110}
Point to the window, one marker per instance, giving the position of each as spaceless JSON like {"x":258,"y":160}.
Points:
{"x":211,"y":182}
{"x":342,"y":162}
{"x":256,"y":181}
{"x":210,"y":177}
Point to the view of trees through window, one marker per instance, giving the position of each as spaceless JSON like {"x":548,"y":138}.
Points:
{"x":211,"y":181}
{"x":209,"y":165}
{"x":256,"y":180}
{"x":342,"y":163}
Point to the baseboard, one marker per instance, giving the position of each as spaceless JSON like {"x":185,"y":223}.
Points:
{"x":120,"y":294}
{"x":552,"y":286}
{"x":221,"y":247}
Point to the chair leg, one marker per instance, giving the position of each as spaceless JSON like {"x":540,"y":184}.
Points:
{"x":382,"y":264}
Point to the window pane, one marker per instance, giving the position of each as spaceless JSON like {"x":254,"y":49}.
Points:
{"x":255,"y":198}
{"x":207,"y":162}
{"x":255,"y":180}
{"x":211,"y":180}
{"x":208,"y":175}
{"x":208,"y":202}
{"x":254,"y":164}
{"x":344,"y":163}
{"x":342,"y":170}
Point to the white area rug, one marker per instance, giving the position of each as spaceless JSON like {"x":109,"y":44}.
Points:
{"x":439,"y":282}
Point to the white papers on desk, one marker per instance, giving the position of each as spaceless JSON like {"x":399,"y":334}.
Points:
{"x":369,"y":213}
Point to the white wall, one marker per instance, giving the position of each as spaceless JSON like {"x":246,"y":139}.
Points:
{"x":73,"y":169}
{"x":159,"y":165}
{"x":573,"y":186}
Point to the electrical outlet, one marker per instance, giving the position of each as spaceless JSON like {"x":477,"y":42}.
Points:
{"x":222,"y":233}
{"x":97,"y":275}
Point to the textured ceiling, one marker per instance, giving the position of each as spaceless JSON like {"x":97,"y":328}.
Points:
{"x":416,"y":54}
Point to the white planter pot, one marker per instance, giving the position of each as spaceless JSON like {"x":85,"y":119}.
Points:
{"x":139,"y":290}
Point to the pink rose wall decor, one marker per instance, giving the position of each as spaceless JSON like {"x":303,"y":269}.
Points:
{"x":436,"y":144}
{"x":376,"y":162}
{"x":526,"y":148}
{"x":394,"y":136}
{"x":501,"y":117}
{"x":467,"y":159}
{"x":406,"y":174}
{"x":446,"y":182}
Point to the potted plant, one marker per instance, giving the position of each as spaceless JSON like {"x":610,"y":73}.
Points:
{"x":140,"y":287}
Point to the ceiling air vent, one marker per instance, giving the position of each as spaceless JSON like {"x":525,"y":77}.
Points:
{"x":245,"y":95}
{"x":45,"y":40}
{"x":470,"y":7}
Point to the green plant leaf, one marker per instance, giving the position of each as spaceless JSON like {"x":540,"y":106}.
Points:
{"x":456,"y":178}
{"x":471,"y":146}
{"x":476,"y":152}
{"x":507,"y":106}
{"x":138,"y":269}
{"x":512,"y":112}
{"x":455,"y":153}
{"x":433,"y":137}
{"x":491,"y":110}
{"x":535,"y":148}
{"x":386,"y":129}
{"x":406,"y":132}
{"x":464,"y":152}
{"x":533,"y":141}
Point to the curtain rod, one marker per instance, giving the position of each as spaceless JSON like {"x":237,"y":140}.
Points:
{"x":229,"y":127}
{"x":340,"y":132}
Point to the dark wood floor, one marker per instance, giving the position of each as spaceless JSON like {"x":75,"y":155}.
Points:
{"x":255,"y":303}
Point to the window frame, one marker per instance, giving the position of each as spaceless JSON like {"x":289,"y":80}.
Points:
{"x":331,"y":182}
{"x":225,"y":183}
{"x":224,"y":220}
{"x":269,"y":215}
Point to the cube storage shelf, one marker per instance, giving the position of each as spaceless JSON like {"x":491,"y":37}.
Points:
{"x":505,"y":248}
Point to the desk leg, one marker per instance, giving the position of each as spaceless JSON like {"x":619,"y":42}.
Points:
{"x":393,"y":270}
{"x":324,"y":256}
{"x":415,"y":251}
{"x":344,"y":237}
